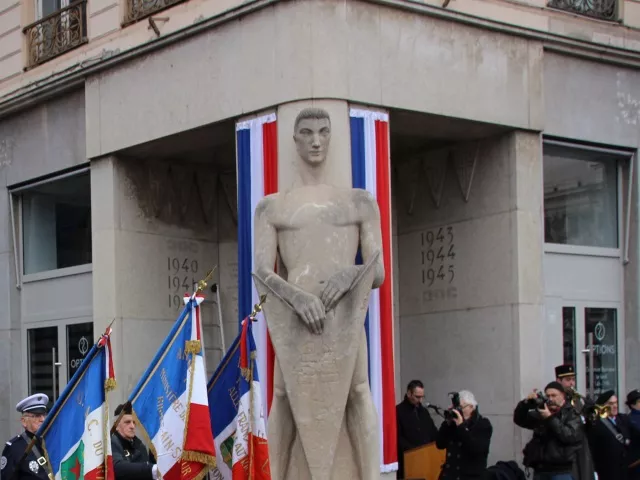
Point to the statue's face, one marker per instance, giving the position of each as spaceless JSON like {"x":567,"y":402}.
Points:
{"x":312,"y":138}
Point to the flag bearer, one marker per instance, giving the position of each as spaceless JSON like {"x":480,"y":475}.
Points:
{"x":13,"y":466}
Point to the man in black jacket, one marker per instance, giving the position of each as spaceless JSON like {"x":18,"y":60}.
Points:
{"x":467,"y":437}
{"x":609,"y":439}
{"x":130,"y":457}
{"x":558,"y":434}
{"x":415,"y":426}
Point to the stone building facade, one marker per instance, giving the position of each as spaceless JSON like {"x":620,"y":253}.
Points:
{"x":514,"y":128}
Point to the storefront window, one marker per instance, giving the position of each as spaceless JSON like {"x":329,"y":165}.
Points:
{"x":79,"y":342}
{"x":602,"y":323}
{"x":580,"y":197}
{"x":56,"y":223}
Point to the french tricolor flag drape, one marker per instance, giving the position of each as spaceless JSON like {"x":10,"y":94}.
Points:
{"x":257,"y":172}
{"x":370,"y":170}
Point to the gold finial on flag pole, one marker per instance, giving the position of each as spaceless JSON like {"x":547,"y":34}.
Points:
{"x":202,"y":284}
{"x":257,"y":308}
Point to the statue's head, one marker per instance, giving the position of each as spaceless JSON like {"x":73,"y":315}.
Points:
{"x":312,"y":133}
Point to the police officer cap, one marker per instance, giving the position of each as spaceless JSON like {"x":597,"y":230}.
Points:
{"x":34,"y":404}
{"x":565,"y":371}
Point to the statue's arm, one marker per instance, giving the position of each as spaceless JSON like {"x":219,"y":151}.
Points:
{"x":370,"y":233}
{"x":307,"y":306}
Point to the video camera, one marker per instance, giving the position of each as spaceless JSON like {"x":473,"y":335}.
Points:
{"x":455,"y":405}
{"x":540,"y":400}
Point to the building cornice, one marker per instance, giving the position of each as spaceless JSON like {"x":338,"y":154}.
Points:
{"x":75,"y":76}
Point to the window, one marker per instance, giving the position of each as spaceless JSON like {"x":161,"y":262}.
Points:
{"x":43,"y":357}
{"x":569,"y":336}
{"x":580,"y":197}
{"x":56,"y":224}
{"x":602,"y":323}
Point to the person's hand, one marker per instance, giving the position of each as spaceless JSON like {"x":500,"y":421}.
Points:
{"x":533,"y":395}
{"x":154,"y":472}
{"x":337,"y":285}
{"x":310,"y":310}
{"x":458,"y":420}
{"x":545,"y":412}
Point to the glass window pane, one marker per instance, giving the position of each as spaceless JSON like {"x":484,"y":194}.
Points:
{"x":602,"y":322}
{"x":79,"y":342}
{"x":569,"y":336}
{"x":42,"y":341}
{"x":56,"y":222}
{"x":580,"y":197}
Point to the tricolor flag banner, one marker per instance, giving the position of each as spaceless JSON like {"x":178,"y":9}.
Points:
{"x":170,"y":401}
{"x":75,"y":435}
{"x":370,"y":168}
{"x":257,"y":173}
{"x":238,"y":423}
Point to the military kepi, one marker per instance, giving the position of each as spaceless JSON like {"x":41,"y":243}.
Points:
{"x":36,"y":403}
{"x":565,"y":371}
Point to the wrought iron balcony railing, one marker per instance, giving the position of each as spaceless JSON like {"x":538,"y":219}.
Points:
{"x":56,"y":33}
{"x":139,"y":9}
{"x":601,"y":9}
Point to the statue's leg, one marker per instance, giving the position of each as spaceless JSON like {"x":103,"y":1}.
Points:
{"x":362,"y":421}
{"x":281,"y":427}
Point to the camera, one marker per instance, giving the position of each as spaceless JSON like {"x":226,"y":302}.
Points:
{"x":540,"y":400}
{"x":455,"y":405}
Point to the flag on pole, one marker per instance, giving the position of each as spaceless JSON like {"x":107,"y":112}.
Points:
{"x":239,"y":421}
{"x":257,"y":172}
{"x":75,"y":435}
{"x":370,"y":168}
{"x":170,"y":401}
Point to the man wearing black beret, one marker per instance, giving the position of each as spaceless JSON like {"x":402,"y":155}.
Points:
{"x":558,"y":434}
{"x":609,"y":440}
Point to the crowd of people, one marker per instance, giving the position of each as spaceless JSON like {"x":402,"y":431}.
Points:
{"x":573,"y":437}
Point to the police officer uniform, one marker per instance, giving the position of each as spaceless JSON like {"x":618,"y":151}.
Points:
{"x":34,"y":466}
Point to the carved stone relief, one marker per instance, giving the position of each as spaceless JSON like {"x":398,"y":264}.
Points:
{"x":430,"y":169}
{"x":174,"y":193}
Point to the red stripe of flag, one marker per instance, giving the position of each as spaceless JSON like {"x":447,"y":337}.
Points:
{"x":270,"y":156}
{"x":383,"y":191}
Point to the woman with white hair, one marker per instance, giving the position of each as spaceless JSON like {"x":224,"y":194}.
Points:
{"x":466,"y":435}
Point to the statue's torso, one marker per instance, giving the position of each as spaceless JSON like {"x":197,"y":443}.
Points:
{"x":318,"y":233}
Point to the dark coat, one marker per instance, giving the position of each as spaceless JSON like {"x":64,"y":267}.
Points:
{"x":130,"y":459}
{"x":556,"y":441}
{"x":610,"y":457}
{"x":467,"y":447}
{"x":415,"y":428}
{"x":29,"y":468}
{"x":634,"y":448}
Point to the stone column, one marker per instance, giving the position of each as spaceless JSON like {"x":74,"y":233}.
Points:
{"x":338,"y":166}
{"x":471,"y":287}
{"x":148,"y":252}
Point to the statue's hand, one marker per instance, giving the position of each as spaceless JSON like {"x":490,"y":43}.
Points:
{"x":337,"y":285}
{"x":310,"y":310}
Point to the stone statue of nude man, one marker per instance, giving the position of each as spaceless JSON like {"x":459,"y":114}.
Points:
{"x":315,"y":315}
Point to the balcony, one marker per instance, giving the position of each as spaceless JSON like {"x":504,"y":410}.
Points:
{"x":139,"y":9}
{"x":56,"y":33}
{"x":600,"y":9}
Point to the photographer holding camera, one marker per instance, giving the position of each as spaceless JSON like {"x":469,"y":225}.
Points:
{"x":557,"y":434}
{"x":466,"y":435}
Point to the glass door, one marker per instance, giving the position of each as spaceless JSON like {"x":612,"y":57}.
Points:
{"x":590,"y":335}
{"x":55,"y":353}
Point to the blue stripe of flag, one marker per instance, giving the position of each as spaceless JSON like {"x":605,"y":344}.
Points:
{"x":359,"y":181}
{"x":170,"y":362}
{"x":243,"y":139}
{"x":64,"y":426}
